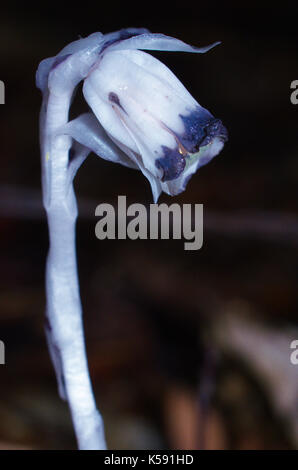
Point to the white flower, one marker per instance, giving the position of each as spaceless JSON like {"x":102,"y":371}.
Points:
{"x":142,"y":116}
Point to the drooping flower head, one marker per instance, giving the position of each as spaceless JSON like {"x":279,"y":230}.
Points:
{"x":141,"y":114}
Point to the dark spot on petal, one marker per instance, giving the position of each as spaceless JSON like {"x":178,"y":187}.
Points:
{"x":194,"y":125}
{"x":214,"y":128}
{"x":200,"y":129}
{"x":114,"y":98}
{"x":172,"y":164}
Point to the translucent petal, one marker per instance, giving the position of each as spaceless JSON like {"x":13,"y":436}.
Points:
{"x":160,"y":42}
{"x":91,"y":45}
{"x":88,"y":132}
{"x":159,"y":92}
{"x":91,"y":41}
{"x":98,"y":40}
{"x":105,"y":113}
{"x":137,"y":159}
{"x":159,"y":70}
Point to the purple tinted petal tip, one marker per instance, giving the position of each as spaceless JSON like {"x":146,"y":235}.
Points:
{"x":172,"y":163}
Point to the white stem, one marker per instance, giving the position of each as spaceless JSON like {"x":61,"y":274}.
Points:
{"x":64,"y":312}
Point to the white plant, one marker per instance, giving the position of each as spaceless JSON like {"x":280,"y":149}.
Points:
{"x":142,"y":117}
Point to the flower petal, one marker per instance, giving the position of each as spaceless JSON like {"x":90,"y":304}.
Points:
{"x":88,"y":132}
{"x":92,"y":44}
{"x":159,"y":42}
{"x":94,"y":40}
{"x":144,"y":81}
{"x":104,"y":112}
{"x":98,"y":40}
{"x":193,"y":163}
{"x":138,"y":160}
{"x":156,"y":69}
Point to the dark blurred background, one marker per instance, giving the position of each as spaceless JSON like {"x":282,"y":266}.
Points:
{"x":187,"y":349}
